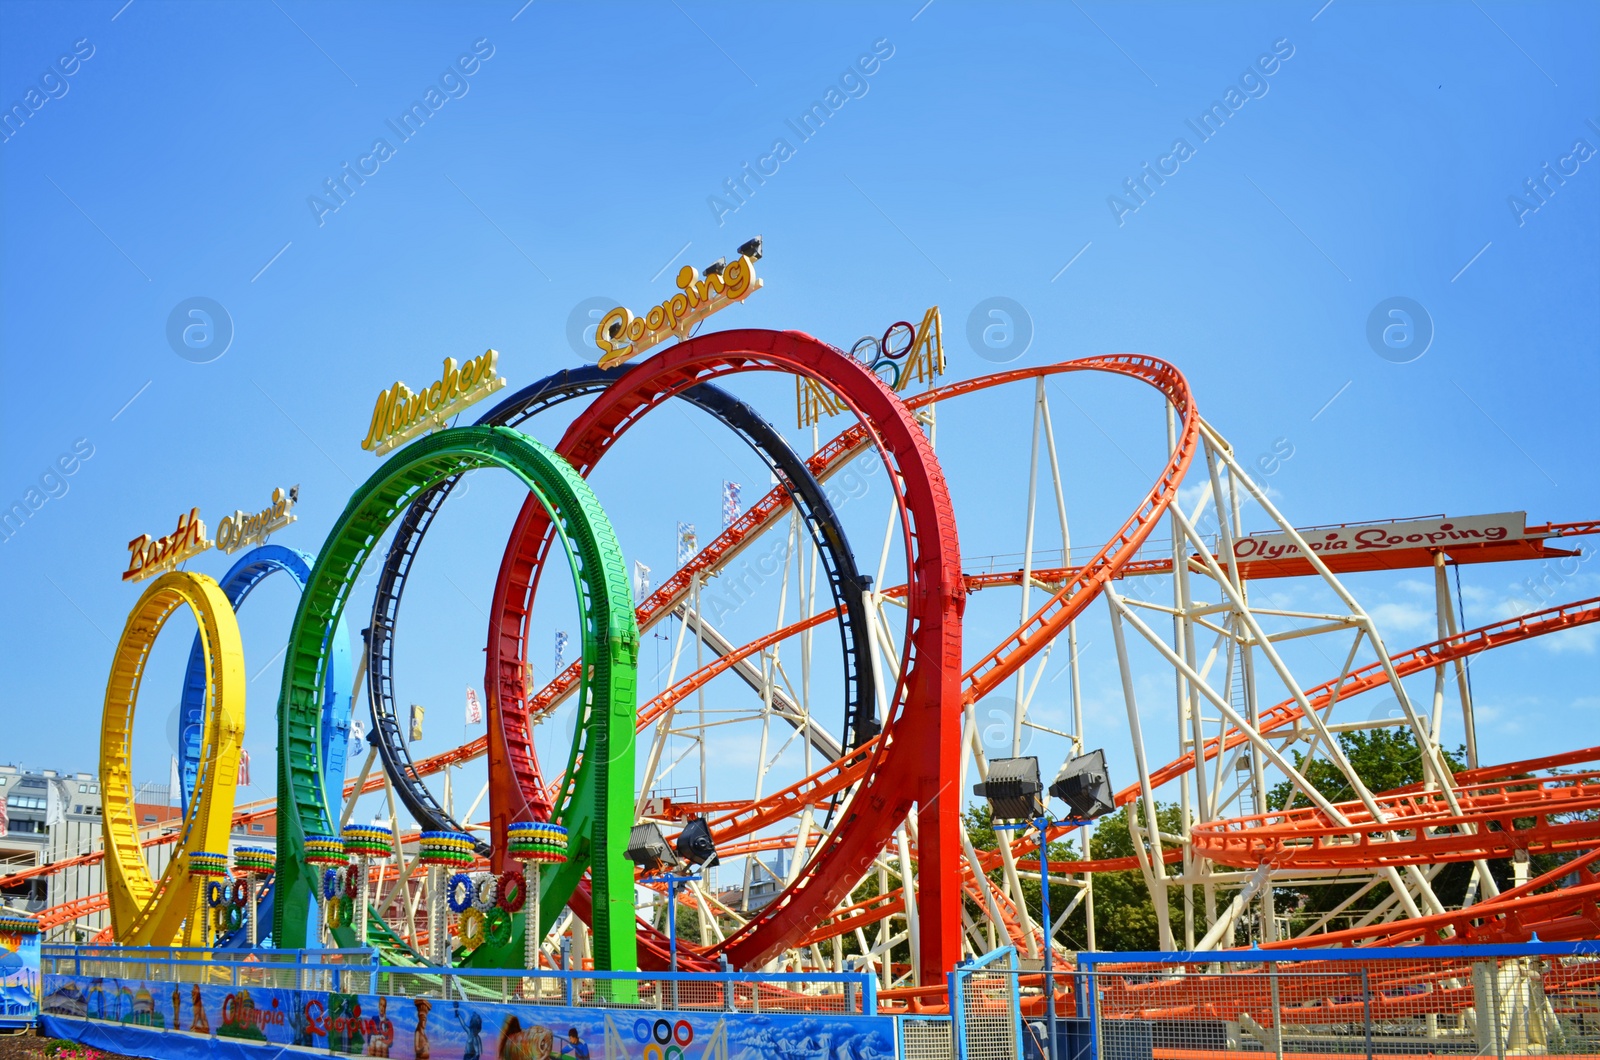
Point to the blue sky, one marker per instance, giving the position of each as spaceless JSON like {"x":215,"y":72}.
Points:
{"x":577,"y":152}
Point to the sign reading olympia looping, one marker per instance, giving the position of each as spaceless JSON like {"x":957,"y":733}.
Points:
{"x":143,"y":911}
{"x":400,"y":415}
{"x":597,"y":806}
{"x":622,"y":335}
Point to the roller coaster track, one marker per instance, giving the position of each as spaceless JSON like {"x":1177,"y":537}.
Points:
{"x":829,"y":874}
{"x":513,"y":763}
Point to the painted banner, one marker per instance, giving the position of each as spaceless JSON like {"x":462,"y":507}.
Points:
{"x":415,"y":1028}
{"x":474,"y":708}
{"x":730,"y":503}
{"x":687,"y":544}
{"x":1388,"y":537}
{"x":19,"y":979}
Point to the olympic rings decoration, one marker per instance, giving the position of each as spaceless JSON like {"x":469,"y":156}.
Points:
{"x":461,"y":892}
{"x":497,"y":926}
{"x":232,"y":918}
{"x":471,"y":927}
{"x":352,"y":881}
{"x":214,"y":893}
{"x":241,"y":892}
{"x":330,"y":882}
{"x":484,"y":895}
{"x":513,"y":891}
{"x":143,"y":911}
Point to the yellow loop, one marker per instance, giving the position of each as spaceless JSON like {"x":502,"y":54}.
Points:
{"x":471,"y":926}
{"x":144,"y":912}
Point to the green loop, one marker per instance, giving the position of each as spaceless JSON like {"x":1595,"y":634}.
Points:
{"x":599,"y":807}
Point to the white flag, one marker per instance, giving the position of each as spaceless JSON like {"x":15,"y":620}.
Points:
{"x":176,"y":794}
{"x":561,"y":650}
{"x":474,"y":710}
{"x":641,"y":582}
{"x":730,"y":503}
{"x":358,"y":736}
{"x":244,"y":768}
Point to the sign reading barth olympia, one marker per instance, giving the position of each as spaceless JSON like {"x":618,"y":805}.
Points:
{"x":1388,"y":537}
{"x":401,"y":415}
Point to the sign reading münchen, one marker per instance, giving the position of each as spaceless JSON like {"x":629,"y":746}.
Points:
{"x":401,"y":415}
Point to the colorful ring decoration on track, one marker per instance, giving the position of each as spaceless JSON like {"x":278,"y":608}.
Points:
{"x":497,"y":926}
{"x":460,"y":890}
{"x":250,"y":570}
{"x":214,"y":891}
{"x":18,"y":926}
{"x":449,"y":849}
{"x":324,"y":850}
{"x":352,"y":882}
{"x":918,"y":757}
{"x":507,"y":799}
{"x":601,"y":581}
{"x":513,"y":891}
{"x":240,"y":892}
{"x":368,"y":841}
{"x":539,"y":841}
{"x":143,"y":912}
{"x":254,"y":860}
{"x":232,"y":917}
{"x":483,"y":894}
{"x":330,"y":882}
{"x":471,"y":928}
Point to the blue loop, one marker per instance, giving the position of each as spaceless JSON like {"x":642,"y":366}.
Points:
{"x":246,"y":574}
{"x":330,"y":882}
{"x":213,"y":893}
{"x":461,"y":892}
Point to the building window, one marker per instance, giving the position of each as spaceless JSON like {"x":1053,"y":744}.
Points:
{"x":79,"y":809}
{"x":149,"y":818}
{"x":25,"y":802}
{"x":82,"y":788}
{"x":256,"y":827}
{"x":2,"y":782}
{"x":94,"y":789}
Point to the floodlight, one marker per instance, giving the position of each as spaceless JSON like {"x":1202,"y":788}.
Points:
{"x":648,"y":849}
{"x":694,"y":844}
{"x":751,"y":249}
{"x":1014,"y":790}
{"x":715,"y":267}
{"x":1085,"y":786}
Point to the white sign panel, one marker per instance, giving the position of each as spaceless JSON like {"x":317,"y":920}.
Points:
{"x":1388,"y":537}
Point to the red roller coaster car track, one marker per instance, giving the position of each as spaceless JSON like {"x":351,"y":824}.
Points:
{"x":923,"y":761}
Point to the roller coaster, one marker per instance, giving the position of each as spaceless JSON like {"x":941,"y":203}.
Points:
{"x":877,"y":859}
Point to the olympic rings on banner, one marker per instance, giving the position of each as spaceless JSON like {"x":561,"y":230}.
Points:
{"x":213,"y":893}
{"x":485,"y":892}
{"x":461,"y":892}
{"x":471,"y":926}
{"x":513,"y":891}
{"x":497,"y":924}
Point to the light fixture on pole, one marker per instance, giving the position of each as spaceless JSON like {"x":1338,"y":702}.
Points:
{"x":1085,"y":786}
{"x":648,"y":849}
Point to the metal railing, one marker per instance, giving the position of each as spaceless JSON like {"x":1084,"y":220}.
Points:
{"x":359,"y":971}
{"x":1533,"y":999}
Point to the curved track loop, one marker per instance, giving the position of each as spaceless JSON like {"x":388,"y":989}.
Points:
{"x":917,"y":756}
{"x":236,"y":585}
{"x":146,"y":912}
{"x":598,"y":805}
{"x":513,"y":768}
